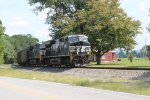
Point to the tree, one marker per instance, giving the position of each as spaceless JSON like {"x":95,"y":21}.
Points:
{"x":130,"y":57}
{"x":108,"y":26}
{"x":2,"y":29}
{"x":61,"y":12}
{"x":135,"y":53}
{"x":20,"y":41}
{"x":148,"y":51}
{"x":144,"y":51}
{"x":103,"y":21}
{"x":122,"y":54}
{"x":9,"y":53}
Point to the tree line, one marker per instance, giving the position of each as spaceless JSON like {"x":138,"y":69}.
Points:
{"x":10,"y":45}
{"x":2,"y":29}
{"x":144,"y":52}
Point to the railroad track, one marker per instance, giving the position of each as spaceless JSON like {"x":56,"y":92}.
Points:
{"x":115,"y":68}
{"x":119,"y":68}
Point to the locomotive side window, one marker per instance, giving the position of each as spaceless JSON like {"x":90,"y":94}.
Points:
{"x":66,"y":39}
{"x":73,"y":39}
{"x":83,"y":38}
{"x":80,"y":44}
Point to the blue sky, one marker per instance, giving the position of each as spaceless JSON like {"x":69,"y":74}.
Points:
{"x":18,"y":18}
{"x":139,"y":10}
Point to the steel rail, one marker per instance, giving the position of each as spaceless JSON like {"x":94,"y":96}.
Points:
{"x":111,"y":68}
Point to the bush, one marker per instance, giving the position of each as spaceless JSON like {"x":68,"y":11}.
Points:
{"x":119,"y":59}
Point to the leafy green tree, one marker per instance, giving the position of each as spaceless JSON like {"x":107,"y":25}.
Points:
{"x":144,"y":51}
{"x":20,"y":41}
{"x":122,"y":54}
{"x":15,"y":43}
{"x":9,"y":53}
{"x":135,"y":53}
{"x":103,"y":21}
{"x":108,"y":26}
{"x":130,"y":57}
{"x":61,"y":12}
{"x":2,"y":29}
{"x":148,"y":51}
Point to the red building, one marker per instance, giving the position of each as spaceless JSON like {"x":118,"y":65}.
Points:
{"x":110,"y":56}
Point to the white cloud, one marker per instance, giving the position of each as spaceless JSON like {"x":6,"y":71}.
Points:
{"x":43,"y":14}
{"x":42,"y":35}
{"x":19,"y":22}
{"x":142,"y":6}
{"x":124,"y":0}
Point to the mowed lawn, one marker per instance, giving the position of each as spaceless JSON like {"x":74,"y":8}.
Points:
{"x":137,"y":62}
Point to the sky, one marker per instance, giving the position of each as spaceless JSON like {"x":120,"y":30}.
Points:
{"x":18,"y":18}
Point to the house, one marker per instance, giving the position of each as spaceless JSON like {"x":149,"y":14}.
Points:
{"x":110,"y":56}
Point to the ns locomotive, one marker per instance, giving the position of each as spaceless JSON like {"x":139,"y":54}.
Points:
{"x":72,"y":50}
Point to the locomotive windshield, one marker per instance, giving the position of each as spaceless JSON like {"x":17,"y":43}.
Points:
{"x":78,"y":38}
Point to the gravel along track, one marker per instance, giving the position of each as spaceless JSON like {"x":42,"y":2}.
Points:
{"x":110,"y":73}
{"x":95,"y":73}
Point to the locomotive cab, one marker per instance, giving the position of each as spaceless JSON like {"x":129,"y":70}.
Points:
{"x":79,"y":49}
{"x":79,"y":44}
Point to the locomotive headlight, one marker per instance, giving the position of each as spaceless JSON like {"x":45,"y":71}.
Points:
{"x":88,"y":49}
{"x":72,"y":49}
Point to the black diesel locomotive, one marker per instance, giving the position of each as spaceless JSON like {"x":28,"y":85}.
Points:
{"x":72,"y":50}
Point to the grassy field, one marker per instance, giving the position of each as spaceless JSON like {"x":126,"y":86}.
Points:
{"x":130,"y":86}
{"x":137,"y":62}
{"x":6,"y":65}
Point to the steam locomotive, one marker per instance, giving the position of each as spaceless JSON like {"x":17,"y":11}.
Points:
{"x":72,"y":50}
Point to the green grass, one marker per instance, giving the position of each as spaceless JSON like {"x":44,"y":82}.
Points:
{"x":7,"y":65}
{"x":130,"y":86}
{"x":137,"y":62}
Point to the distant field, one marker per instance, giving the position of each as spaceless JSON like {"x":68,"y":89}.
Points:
{"x":137,"y":62}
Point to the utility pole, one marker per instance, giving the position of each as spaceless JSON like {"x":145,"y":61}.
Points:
{"x":145,"y":53}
